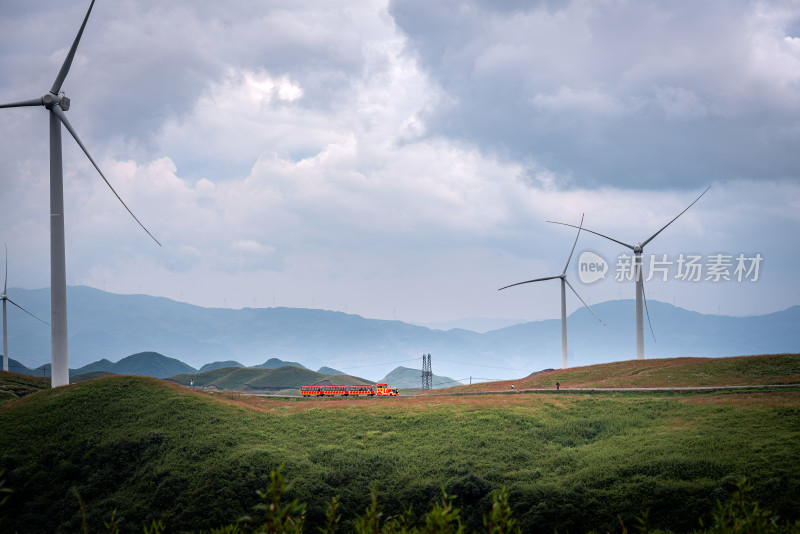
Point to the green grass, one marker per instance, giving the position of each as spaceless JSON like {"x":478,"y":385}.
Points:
{"x":89,"y":376}
{"x":667,"y":372}
{"x":14,"y":385}
{"x":150,"y":450}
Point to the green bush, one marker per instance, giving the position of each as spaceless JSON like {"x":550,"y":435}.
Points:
{"x":740,"y":514}
{"x":274,"y":515}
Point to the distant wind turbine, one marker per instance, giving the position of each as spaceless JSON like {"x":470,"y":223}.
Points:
{"x":640,"y":297}
{"x":56,"y":103}
{"x":564,"y":283}
{"x":5,"y":299}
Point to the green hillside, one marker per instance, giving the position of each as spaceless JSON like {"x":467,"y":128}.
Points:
{"x":287,"y":377}
{"x":140,"y":364}
{"x":150,"y":364}
{"x":274,"y":363}
{"x":14,"y":385}
{"x":668,"y":372}
{"x":152,"y":449}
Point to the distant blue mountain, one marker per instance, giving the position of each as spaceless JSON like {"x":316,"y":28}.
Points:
{"x":15,"y":367}
{"x":475,"y":324}
{"x":98,"y":366}
{"x":106,"y":326}
{"x":678,"y":332}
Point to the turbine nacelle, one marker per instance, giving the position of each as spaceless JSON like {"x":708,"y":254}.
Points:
{"x":49,"y":100}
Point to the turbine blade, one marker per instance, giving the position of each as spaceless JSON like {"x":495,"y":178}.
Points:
{"x":5,"y":284}
{"x":60,"y":114}
{"x":24,"y":103}
{"x":62,"y":74}
{"x":644,"y":297}
{"x":573,"y":245}
{"x":624,"y":244}
{"x":529,"y":281}
{"x":673,"y":220}
{"x":584,"y":303}
{"x":26,"y":311}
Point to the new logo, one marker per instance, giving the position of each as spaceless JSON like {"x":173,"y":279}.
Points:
{"x":591,"y":267}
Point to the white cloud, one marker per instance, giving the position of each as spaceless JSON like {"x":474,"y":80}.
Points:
{"x":590,"y":101}
{"x":691,"y":90}
{"x":250,"y":246}
{"x":679,"y":104}
{"x":313,"y":152}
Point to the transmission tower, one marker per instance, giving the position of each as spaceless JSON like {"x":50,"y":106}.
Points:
{"x":427,"y":373}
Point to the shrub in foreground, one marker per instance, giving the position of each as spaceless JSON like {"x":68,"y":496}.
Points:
{"x":275,"y":516}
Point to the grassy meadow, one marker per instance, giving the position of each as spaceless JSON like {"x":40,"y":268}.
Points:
{"x":666,"y":372}
{"x":572,"y":462}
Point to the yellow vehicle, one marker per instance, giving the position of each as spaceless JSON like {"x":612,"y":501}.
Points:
{"x":386,"y":389}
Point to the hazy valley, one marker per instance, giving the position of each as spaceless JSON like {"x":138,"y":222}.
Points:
{"x":111,"y":327}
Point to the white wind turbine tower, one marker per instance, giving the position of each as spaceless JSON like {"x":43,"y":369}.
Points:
{"x":564,"y":283}
{"x":637,"y":251}
{"x":5,"y":298}
{"x":56,"y":103}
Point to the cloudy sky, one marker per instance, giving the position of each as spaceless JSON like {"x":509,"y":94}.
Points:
{"x":401,"y":159}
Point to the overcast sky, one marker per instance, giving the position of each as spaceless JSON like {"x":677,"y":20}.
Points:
{"x":401,"y":159}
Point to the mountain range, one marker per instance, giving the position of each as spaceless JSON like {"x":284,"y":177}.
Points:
{"x":110,"y":326}
{"x":287,"y":377}
{"x":272,"y":375}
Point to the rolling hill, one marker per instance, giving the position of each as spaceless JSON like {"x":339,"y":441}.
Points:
{"x":149,"y":364}
{"x":287,"y":377}
{"x":773,"y":369}
{"x":329,"y":371}
{"x":150,"y":449}
{"x":219,"y":365}
{"x":141,"y":364}
{"x":274,"y":363}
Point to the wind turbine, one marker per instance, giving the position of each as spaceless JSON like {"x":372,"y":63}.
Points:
{"x":56,"y":103}
{"x":637,"y":251}
{"x":5,"y":298}
{"x":564,"y":283}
